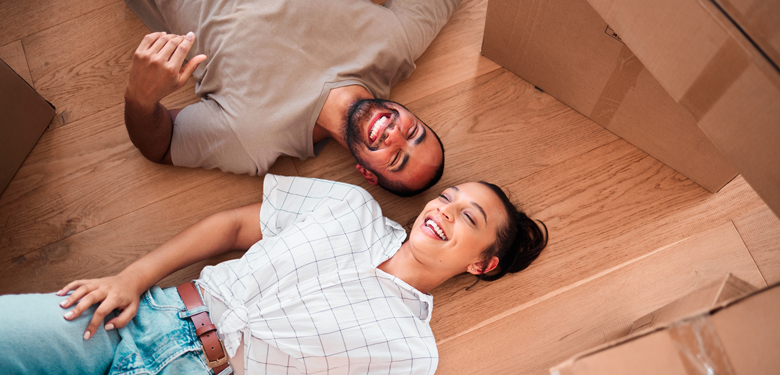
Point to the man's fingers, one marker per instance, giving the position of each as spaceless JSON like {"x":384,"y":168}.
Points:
{"x":160,"y":43}
{"x":167,"y":52}
{"x":186,"y":72}
{"x":183,"y":49}
{"x":149,"y":40}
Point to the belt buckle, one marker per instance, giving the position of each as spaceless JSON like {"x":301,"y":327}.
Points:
{"x":221,"y":361}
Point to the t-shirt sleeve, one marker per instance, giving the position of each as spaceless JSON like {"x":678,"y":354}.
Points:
{"x":422,"y":20}
{"x":203,"y":139}
{"x":287,"y":200}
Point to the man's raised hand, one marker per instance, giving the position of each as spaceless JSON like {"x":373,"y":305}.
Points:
{"x":157,"y":69}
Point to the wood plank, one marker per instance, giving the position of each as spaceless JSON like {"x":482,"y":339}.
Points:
{"x":571,"y":320}
{"x":13,"y":55}
{"x":760,"y":230}
{"x":107,"y":248}
{"x":22,"y":18}
{"x":81,"y":65}
{"x":604,"y":208}
{"x":453,"y":56}
{"x":498,"y":112}
{"x":83,"y":175}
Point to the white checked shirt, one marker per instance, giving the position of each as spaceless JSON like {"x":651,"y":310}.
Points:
{"x":308,"y":297}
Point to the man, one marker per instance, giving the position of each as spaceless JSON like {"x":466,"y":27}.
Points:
{"x":281,"y":78}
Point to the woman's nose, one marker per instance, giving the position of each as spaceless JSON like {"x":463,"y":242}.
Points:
{"x":444,"y":212}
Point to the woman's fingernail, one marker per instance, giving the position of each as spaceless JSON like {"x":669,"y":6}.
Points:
{"x":109,"y":326}
{"x":69,"y":314}
{"x":63,"y":303}
{"x":86,"y":335}
{"x":190,"y":35}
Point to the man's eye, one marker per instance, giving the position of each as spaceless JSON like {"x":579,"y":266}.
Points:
{"x":395,"y":158}
{"x":413,"y":132}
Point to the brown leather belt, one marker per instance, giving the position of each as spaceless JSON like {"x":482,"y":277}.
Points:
{"x":204,"y":329}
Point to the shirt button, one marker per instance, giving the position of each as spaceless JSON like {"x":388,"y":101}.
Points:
{"x":334,"y":279}
{"x":292,"y":295}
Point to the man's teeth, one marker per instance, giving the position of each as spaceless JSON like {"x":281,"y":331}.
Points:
{"x":377,"y":125}
{"x":432,"y":224}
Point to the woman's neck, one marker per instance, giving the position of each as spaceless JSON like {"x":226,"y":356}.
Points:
{"x":406,"y":267}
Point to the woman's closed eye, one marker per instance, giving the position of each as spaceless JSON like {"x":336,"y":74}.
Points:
{"x":470,"y":219}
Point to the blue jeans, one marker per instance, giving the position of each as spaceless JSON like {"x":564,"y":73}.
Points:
{"x":35,"y":339}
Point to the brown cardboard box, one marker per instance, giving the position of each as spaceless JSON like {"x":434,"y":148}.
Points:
{"x":705,"y":298}
{"x":718,"y":58}
{"x":740,"y":338}
{"x":24,"y":115}
{"x":565,"y":48}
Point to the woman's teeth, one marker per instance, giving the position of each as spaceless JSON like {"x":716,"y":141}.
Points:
{"x":377,"y":125}
{"x":432,"y":224}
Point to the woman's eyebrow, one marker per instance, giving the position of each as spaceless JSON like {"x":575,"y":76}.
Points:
{"x":475,"y":204}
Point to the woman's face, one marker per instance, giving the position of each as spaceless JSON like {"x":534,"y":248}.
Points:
{"x":453,"y":230}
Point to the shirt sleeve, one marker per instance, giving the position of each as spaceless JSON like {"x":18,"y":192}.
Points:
{"x":287,"y":200}
{"x":202,"y":138}
{"x":422,"y":20}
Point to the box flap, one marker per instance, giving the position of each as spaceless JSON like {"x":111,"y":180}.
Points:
{"x":25,"y":116}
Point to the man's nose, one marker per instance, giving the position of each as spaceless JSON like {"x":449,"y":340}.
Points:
{"x":394,"y":136}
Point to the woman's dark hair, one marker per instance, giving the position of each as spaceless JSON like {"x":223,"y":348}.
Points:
{"x":517,"y":244}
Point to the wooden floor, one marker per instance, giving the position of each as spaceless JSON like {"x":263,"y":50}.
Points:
{"x":627,"y":233}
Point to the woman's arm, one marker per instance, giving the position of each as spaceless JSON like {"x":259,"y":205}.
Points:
{"x":228,"y":230}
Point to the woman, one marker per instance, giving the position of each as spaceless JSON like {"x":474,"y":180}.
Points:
{"x":327,"y":285}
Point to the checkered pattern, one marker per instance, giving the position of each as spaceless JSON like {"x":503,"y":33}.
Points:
{"x":308,"y":297}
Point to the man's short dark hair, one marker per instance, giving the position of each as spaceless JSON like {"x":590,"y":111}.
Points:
{"x":398,"y":188}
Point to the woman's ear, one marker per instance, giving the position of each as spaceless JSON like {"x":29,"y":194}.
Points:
{"x":476,"y":267}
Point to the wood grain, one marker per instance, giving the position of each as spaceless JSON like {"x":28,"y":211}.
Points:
{"x":81,"y":65}
{"x":107,"y":248}
{"x":83,"y":175}
{"x":554,"y":327}
{"x":13,"y":55}
{"x":602,"y":208}
{"x":760,"y":230}
{"x":453,"y":56}
{"x":23,"y":18}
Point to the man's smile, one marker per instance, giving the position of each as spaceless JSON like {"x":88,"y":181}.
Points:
{"x":379,"y":126}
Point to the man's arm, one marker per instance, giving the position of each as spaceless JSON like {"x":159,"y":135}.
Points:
{"x":156,"y":72}
{"x":217,"y":234}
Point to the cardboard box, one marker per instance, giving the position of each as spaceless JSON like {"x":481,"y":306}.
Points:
{"x":705,"y":298}
{"x":565,"y":48}
{"x":740,"y":338}
{"x":24,"y":116}
{"x":719,"y":59}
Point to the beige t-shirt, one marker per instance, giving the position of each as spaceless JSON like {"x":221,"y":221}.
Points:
{"x":271,"y":65}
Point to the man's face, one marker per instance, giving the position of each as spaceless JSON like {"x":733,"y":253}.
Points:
{"x":388,"y":140}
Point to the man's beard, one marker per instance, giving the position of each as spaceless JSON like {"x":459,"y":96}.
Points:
{"x":359,"y":113}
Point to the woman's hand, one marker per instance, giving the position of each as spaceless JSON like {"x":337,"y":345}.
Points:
{"x":115,"y":292}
